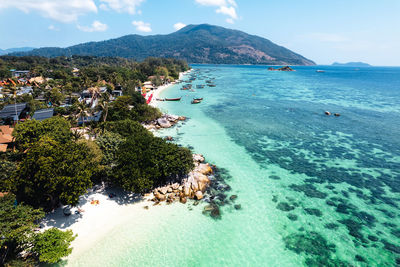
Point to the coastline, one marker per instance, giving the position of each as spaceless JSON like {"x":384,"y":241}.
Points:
{"x":156,"y":93}
{"x":97,"y":221}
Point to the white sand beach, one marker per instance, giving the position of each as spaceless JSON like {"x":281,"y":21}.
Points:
{"x":156,"y":93}
{"x":96,"y":221}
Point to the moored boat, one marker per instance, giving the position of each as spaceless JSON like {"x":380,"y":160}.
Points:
{"x":173,"y":99}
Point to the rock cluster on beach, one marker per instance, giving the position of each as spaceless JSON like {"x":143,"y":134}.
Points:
{"x":192,"y":187}
{"x":166,"y":121}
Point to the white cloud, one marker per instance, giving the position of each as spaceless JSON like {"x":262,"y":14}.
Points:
{"x":128,"y":6}
{"x":96,"y":26}
{"x":59,"y":10}
{"x":142,"y":26}
{"x":225,"y":7}
{"x":179,"y":25}
{"x":229,"y":11}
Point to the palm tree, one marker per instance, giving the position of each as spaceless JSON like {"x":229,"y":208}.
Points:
{"x":94,"y":91}
{"x":82,"y":112}
{"x":103,"y":104}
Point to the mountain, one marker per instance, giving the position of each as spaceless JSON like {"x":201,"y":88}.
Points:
{"x":351,"y":64}
{"x":13,"y":50}
{"x":195,"y":43}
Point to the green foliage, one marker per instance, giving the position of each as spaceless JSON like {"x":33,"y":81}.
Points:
{"x":52,"y":245}
{"x":7,"y":170}
{"x":126,"y":128}
{"x":54,"y":172}
{"x":145,"y":161}
{"x":54,"y":96}
{"x":17,"y":223}
{"x":109,"y":143}
{"x":29,"y":132}
{"x":132,"y":107}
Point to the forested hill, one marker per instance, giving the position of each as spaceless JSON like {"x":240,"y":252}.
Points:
{"x":195,"y":43}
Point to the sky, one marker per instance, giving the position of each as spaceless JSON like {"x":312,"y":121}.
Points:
{"x":322,"y":30}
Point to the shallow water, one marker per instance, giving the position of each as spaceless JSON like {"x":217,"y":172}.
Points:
{"x":314,"y":190}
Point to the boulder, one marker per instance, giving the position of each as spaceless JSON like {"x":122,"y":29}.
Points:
{"x":169,"y":190}
{"x":199,"y":195}
{"x":172,"y":118}
{"x":163,"y":190}
{"x":175,"y":186}
{"x":160,"y":197}
{"x":194,"y":185}
{"x":164,"y":123}
{"x":238,"y":206}
{"x":198,"y":158}
{"x":182,"y":118}
{"x":204,"y":169}
{"x":183,"y":200}
{"x":186,"y":189}
{"x":233,"y":197}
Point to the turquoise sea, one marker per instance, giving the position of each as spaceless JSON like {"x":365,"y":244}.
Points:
{"x":313,"y":190}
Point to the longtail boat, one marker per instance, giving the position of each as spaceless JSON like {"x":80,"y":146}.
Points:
{"x":173,"y":99}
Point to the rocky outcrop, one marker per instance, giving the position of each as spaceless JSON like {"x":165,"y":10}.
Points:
{"x":192,"y":187}
{"x":166,"y":121}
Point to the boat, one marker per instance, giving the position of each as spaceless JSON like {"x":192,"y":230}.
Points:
{"x":195,"y":101}
{"x":320,"y":71}
{"x":211,"y":85}
{"x":198,"y":99}
{"x":173,"y":99}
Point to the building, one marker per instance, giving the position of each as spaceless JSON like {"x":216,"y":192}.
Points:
{"x":43,"y":114}
{"x":20,"y":73}
{"x":95,"y":118}
{"x":6,"y":138}
{"x":14,"y":112}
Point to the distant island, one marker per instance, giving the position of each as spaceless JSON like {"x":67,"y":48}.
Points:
{"x":351,"y":64}
{"x":194,"y":43}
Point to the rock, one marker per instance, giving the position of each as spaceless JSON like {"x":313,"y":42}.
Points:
{"x":169,"y":138}
{"x":199,"y":195}
{"x":198,"y":158}
{"x":175,"y":186}
{"x":181,"y":118}
{"x":215,"y":213}
{"x":163,"y":190}
{"x":238,"y":206}
{"x":327,"y":113}
{"x":172,"y":118}
{"x":195,"y":185}
{"x":183,"y":200}
{"x":162,"y":122}
{"x":233,"y":197}
{"x":196,"y":203}
{"x":158,"y":127}
{"x":208,"y":208}
{"x":186,"y":189}
{"x":169,"y":190}
{"x":146,"y":207}
{"x":204,"y":169}
{"x":160,"y":197}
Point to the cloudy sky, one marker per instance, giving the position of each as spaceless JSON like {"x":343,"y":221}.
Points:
{"x":324,"y":31}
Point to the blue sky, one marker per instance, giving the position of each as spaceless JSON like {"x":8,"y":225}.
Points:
{"x":324,"y":31}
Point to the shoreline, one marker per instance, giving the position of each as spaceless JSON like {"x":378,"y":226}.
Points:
{"x":96,"y":221}
{"x":156,"y":93}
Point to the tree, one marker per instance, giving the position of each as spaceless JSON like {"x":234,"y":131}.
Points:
{"x":52,"y":245}
{"x":54,"y":172}
{"x":7,"y":169}
{"x":82,"y":109}
{"x":54,"y":96}
{"x":145,"y":161}
{"x":103,"y":104}
{"x":126,"y":128}
{"x":29,"y":132}
{"x":17,"y":222}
